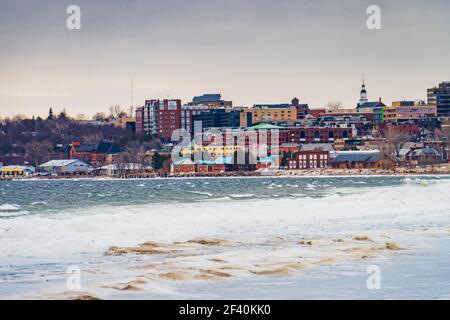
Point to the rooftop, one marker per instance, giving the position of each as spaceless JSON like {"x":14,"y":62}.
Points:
{"x":59,"y":163}
{"x":264,"y":126}
{"x":357,"y":156}
{"x":215,"y":97}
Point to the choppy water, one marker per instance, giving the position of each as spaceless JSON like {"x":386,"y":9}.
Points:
{"x":47,"y":225}
{"x":56,"y":197}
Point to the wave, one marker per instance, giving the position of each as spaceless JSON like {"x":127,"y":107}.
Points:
{"x":203,"y":193}
{"x":38,"y":203}
{"x":9,"y":207}
{"x":13,"y":214}
{"x":11,"y":210}
{"x":97,"y":227}
{"x":242,"y":196}
{"x":219,"y":199}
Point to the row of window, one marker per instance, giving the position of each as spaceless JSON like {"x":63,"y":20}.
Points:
{"x":304,"y":164}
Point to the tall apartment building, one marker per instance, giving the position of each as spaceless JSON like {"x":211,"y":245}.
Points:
{"x":440,"y":97}
{"x":159,"y":117}
{"x":409,"y":111}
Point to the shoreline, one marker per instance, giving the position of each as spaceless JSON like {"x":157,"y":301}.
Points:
{"x":192,"y":268}
{"x":262,"y":175}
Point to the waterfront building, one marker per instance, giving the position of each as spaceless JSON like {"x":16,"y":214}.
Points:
{"x":211,"y":150}
{"x":16,"y":171}
{"x":289,"y":148}
{"x":205,"y":167}
{"x":418,"y":154}
{"x":159,"y":117}
{"x":66,"y":167}
{"x":359,"y":159}
{"x":440,"y":98}
{"x":183,"y":166}
{"x":309,"y":159}
{"x":96,"y":154}
{"x":272,"y":161}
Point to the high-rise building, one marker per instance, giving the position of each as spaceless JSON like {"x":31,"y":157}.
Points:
{"x":440,"y":97}
{"x":159,"y":117}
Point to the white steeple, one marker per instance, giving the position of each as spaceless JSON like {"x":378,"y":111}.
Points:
{"x":363,"y":94}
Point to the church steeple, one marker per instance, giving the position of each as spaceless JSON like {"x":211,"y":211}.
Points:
{"x":363,"y":94}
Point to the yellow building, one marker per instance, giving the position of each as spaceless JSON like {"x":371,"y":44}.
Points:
{"x":409,"y":110}
{"x":212,"y":151}
{"x":123,"y":121}
{"x":16,"y":171}
{"x":269,"y":113}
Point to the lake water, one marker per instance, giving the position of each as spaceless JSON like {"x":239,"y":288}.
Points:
{"x":47,"y":227}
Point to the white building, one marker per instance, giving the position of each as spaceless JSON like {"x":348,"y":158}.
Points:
{"x":71,"y":166}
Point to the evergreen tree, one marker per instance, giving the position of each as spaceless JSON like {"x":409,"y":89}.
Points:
{"x":50,"y":114}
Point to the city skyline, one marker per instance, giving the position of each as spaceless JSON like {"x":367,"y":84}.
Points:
{"x":257,"y":52}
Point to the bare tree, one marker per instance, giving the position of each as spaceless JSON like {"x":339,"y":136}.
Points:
{"x":100,"y":116}
{"x":131,"y":111}
{"x":389,"y":141}
{"x":116,"y":112}
{"x":80,"y":117}
{"x":38,"y":151}
{"x":334,"y":106}
{"x":132,"y":160}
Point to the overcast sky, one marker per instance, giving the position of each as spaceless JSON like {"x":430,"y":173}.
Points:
{"x":251,"y":51}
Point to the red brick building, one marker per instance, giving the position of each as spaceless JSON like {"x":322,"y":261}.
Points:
{"x":314,"y":134}
{"x":160,"y":117}
{"x":94,"y":154}
{"x":311,"y":159}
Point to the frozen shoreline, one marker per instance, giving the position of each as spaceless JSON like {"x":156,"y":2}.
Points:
{"x":193,"y":247}
{"x":406,"y":273}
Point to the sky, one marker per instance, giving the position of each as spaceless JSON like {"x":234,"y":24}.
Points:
{"x":250,"y":51}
